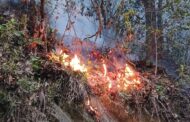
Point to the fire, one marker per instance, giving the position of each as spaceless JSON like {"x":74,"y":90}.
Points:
{"x":110,"y":85}
{"x":128,"y":71}
{"x":63,"y":58}
{"x":76,"y":65}
{"x":105,"y":70}
{"x":120,"y":77}
{"x":60,"y":57}
{"x":88,"y":102}
{"x":90,"y":107}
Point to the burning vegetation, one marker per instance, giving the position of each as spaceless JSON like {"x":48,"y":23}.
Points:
{"x":107,"y":75}
{"x":106,"y":71}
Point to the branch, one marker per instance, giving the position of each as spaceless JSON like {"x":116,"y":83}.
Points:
{"x":99,"y":15}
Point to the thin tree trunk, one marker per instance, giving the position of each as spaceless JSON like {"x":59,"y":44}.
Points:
{"x":150,"y":28}
{"x":160,"y":28}
{"x":42,"y":13}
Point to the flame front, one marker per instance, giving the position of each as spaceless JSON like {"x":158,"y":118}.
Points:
{"x":117,"y":78}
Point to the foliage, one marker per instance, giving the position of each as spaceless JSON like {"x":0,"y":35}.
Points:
{"x":127,"y":16}
{"x":4,"y":104}
{"x":11,"y":41}
{"x":9,"y":30}
{"x":184,"y":76}
{"x":177,"y":29}
{"x":28,"y":85}
{"x":36,"y":63}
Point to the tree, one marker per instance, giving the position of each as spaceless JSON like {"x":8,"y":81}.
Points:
{"x":150,"y":16}
{"x":160,"y":28}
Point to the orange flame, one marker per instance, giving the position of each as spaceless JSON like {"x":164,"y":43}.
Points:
{"x":110,"y":85}
{"x":105,"y":70}
{"x":128,"y":71}
{"x":76,"y":65}
{"x":88,"y":102}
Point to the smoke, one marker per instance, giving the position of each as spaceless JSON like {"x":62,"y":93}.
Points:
{"x":77,"y":25}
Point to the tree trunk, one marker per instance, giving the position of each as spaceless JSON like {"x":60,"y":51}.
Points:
{"x":42,"y":13}
{"x":150,"y":16}
{"x":160,"y":28}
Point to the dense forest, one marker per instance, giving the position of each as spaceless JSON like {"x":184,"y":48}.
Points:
{"x":94,"y":60}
